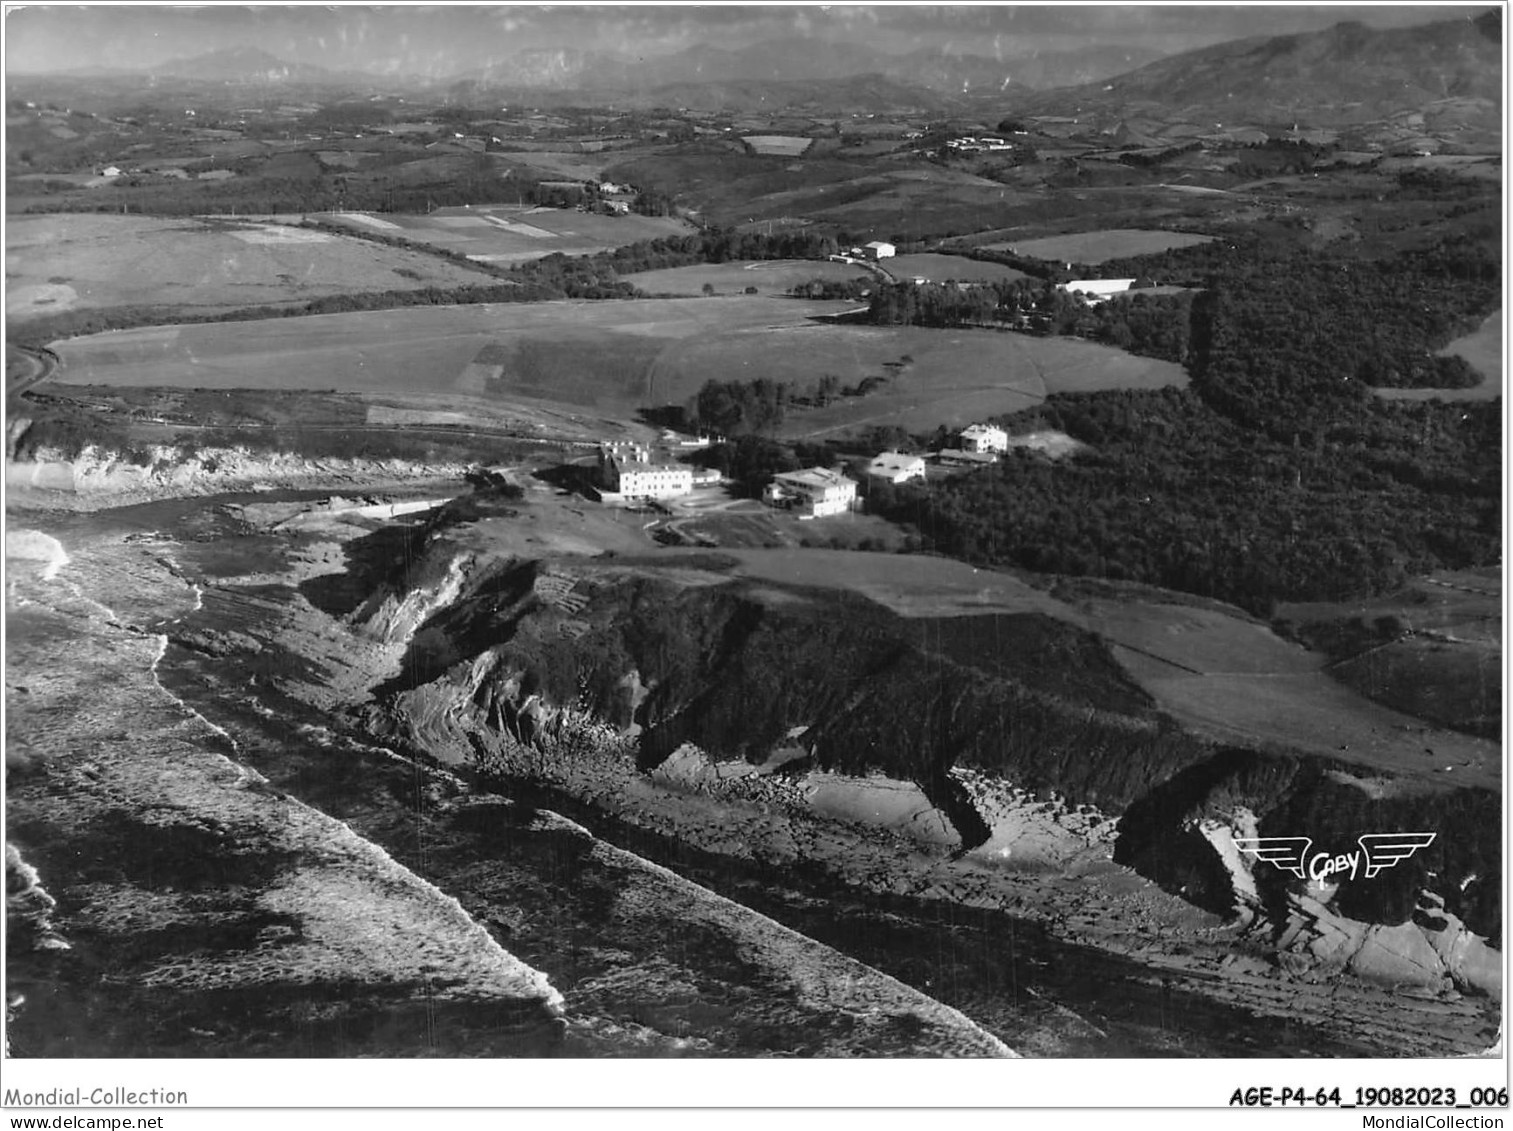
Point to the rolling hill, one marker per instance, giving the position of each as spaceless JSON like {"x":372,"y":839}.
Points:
{"x":1344,"y":75}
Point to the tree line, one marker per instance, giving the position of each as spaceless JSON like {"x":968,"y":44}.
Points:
{"x":1152,"y":325}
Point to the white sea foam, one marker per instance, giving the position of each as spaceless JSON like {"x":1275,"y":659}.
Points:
{"x":34,"y":546}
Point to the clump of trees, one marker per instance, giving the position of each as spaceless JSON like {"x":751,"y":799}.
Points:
{"x":853,"y":289}
{"x":759,"y":407}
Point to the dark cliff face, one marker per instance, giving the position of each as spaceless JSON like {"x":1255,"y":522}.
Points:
{"x":737,"y":667}
{"x":1295,"y":796}
{"x":742,"y":669}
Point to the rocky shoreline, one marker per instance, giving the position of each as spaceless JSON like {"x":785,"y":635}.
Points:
{"x":1112,"y":963}
{"x":226,"y":916}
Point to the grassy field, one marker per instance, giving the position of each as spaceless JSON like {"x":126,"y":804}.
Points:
{"x":1222,"y":674}
{"x":565,"y":164}
{"x":939,"y":268}
{"x":1482,"y":350}
{"x":508,"y":234}
{"x":871,"y":197}
{"x":777,"y":145}
{"x":65,"y":262}
{"x":955,"y":377}
{"x":1234,"y":679}
{"x":593,"y":355}
{"x":1096,"y":247}
{"x":774,"y":276}
{"x":1432,"y":649}
{"x":912,"y":585}
{"x":614,"y":358}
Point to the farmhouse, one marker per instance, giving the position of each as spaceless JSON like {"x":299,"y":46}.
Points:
{"x":1094,"y":291}
{"x":984,"y":438}
{"x":877,"y":249}
{"x":626,"y":469}
{"x":896,"y":467}
{"x":815,"y":492}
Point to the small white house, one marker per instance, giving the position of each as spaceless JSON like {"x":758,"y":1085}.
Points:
{"x":984,"y":438}
{"x":1095,"y":291}
{"x":896,"y":467}
{"x":815,"y":492}
{"x":877,"y":249}
{"x":110,"y":171}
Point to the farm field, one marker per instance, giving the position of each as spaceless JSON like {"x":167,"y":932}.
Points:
{"x":939,"y":268}
{"x":777,"y":145}
{"x":1098,"y":247}
{"x":954,"y":377}
{"x":915,"y":207}
{"x":62,"y":262}
{"x":870,"y":197}
{"x":507,"y":234}
{"x":568,"y":163}
{"x":772,"y":276}
{"x":596,"y":355}
{"x":615,"y":358}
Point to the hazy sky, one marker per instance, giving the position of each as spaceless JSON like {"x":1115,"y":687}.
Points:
{"x":442,"y":39}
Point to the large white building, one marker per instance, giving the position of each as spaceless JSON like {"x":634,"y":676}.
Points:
{"x":984,"y":438}
{"x":896,"y":467}
{"x":1094,"y":291}
{"x":815,"y":492}
{"x":627,"y":469}
{"x":878,"y":249}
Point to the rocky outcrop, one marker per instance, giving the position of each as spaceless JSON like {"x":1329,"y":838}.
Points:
{"x":535,"y":665}
{"x":1433,"y":952}
{"x":1313,"y":940}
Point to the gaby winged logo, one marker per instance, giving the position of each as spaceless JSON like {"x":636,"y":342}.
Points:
{"x":1379,"y":851}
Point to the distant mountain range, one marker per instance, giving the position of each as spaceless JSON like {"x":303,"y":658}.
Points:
{"x":243,"y":65}
{"x":1344,"y":74}
{"x":776,"y":61}
{"x":806,"y":60}
{"x":1348,"y":73}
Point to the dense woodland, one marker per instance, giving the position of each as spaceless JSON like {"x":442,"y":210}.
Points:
{"x":1278,"y":474}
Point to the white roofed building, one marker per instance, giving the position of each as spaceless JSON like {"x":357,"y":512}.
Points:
{"x":878,"y":249}
{"x":896,"y":467}
{"x":627,"y":469}
{"x":984,"y":438}
{"x":815,"y":492}
{"x":1097,"y":290}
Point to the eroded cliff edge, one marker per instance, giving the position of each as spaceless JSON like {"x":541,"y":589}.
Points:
{"x":626,"y":679}
{"x":207,"y":891}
